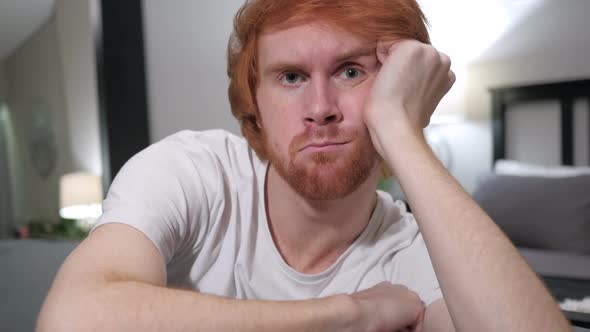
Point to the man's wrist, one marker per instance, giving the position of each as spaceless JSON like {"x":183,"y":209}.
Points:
{"x":398,"y":141}
{"x":347,"y":314}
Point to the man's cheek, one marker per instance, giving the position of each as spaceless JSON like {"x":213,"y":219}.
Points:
{"x":352,"y":103}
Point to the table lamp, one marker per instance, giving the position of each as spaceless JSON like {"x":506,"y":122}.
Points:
{"x":80,"y":197}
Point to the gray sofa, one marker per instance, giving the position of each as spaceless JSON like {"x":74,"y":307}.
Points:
{"x":27,"y":271}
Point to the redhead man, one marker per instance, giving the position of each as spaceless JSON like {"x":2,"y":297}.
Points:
{"x":284,"y":230}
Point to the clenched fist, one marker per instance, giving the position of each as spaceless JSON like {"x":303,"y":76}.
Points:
{"x":389,"y":308}
{"x":412,"y":80}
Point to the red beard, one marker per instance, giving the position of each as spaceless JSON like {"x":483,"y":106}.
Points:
{"x":326,"y":175}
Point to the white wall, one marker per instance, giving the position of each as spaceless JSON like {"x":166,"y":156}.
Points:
{"x":470,"y":145}
{"x":78,"y":64}
{"x":551,"y":44}
{"x":186,"y":64}
{"x":54,"y":69}
{"x":35,"y":81}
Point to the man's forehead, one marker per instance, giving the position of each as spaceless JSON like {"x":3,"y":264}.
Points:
{"x":312,"y":40}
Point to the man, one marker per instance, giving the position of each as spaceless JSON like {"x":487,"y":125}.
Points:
{"x":286,"y":231}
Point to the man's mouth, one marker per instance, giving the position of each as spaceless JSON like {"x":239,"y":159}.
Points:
{"x":323,"y":146}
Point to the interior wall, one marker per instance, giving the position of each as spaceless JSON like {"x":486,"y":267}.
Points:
{"x":470,"y":148}
{"x":550,"y":44}
{"x":33,"y":73}
{"x":6,"y":159}
{"x":186,"y":44}
{"x":3,"y":86}
{"x":78,"y":64}
{"x":50,"y":81}
{"x":5,"y":179}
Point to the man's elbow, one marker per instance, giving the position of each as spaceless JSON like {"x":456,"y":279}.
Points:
{"x":64,"y":313}
{"x":47,"y":323}
{"x":51,"y":320}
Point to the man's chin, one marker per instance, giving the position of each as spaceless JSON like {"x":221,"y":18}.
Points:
{"x":323,"y":188}
{"x":327,"y":180}
{"x":327,"y":175}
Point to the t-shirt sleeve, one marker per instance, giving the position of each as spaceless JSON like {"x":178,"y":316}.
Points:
{"x":160,"y":192}
{"x":415,"y":271}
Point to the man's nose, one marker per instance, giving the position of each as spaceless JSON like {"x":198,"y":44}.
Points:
{"x":322,"y":108}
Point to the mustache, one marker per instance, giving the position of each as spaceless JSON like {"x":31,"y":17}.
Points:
{"x":331,"y":133}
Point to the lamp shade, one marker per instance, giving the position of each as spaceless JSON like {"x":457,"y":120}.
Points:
{"x":80,"y":196}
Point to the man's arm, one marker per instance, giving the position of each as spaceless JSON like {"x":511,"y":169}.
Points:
{"x":115,"y":281}
{"x":437,"y":318}
{"x":486,"y":284}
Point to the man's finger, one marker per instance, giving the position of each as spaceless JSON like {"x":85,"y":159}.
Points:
{"x":382,"y":51}
{"x":451,"y":79}
{"x":419,"y":325}
{"x":385,"y":48}
{"x":445,"y":60}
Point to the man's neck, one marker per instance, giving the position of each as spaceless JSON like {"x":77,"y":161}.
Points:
{"x":311,"y":235}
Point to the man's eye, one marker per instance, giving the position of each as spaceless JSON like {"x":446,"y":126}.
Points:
{"x":351,"y":73}
{"x":291,"y":78}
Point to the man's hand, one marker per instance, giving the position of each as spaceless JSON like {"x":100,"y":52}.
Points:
{"x":412,"y":80}
{"x":472,"y":258}
{"x":121,"y":287}
{"x":387,"y":307}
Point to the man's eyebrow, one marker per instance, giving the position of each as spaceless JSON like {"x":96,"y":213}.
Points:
{"x":347,"y":56}
{"x":279,"y":67}
{"x":357,"y":53}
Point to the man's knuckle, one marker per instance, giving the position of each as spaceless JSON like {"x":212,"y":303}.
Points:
{"x":445,"y":61}
{"x":452,"y":76}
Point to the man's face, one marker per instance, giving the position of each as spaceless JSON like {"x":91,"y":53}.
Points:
{"x":313,"y":82}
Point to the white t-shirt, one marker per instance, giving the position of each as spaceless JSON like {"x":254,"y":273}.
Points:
{"x":199,"y":196}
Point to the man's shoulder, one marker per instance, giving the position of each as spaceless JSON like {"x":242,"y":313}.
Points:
{"x":217,"y":139}
{"x":216,"y":144}
{"x":195,"y":163}
{"x":187,"y":153}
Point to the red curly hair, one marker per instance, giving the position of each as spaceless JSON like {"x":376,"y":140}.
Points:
{"x":370,"y":19}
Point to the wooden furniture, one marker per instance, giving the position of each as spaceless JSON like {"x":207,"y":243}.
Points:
{"x":565,"y":92}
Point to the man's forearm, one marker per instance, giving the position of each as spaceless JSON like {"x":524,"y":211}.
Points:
{"x":486,"y":283}
{"x":133,"y":306}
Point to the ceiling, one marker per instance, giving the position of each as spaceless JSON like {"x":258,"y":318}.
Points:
{"x":466,"y":29}
{"x":19,"y":19}
{"x":557,"y":27}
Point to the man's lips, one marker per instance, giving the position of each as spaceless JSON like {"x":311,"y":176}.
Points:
{"x":318,"y":146}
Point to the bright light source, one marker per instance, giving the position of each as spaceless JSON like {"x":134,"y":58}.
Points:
{"x":81,"y":211}
{"x":80,"y":198}
{"x":464,"y":29}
